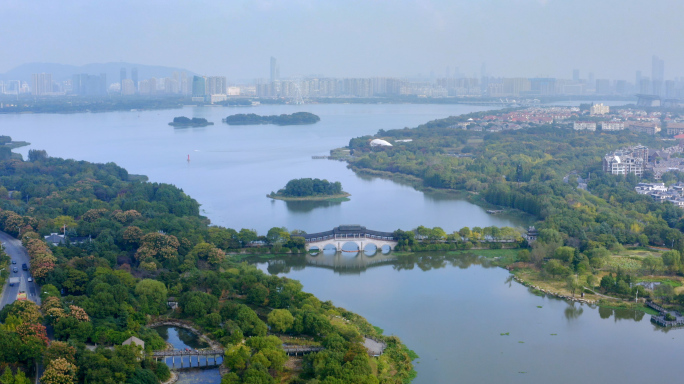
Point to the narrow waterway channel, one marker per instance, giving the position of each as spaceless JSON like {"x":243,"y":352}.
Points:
{"x":181,"y":339}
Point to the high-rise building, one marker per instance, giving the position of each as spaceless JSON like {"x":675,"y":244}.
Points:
{"x":144,"y":87}
{"x":89,"y":85}
{"x":575,"y":75}
{"x":122,"y":76}
{"x":602,"y":86}
{"x":637,"y":79}
{"x":198,"y":86}
{"x":515,"y":86}
{"x":275,"y":70}
{"x":41,"y":84}
{"x":185,"y":86}
{"x":215,"y":85}
{"x":127,"y":87}
{"x":543,"y":86}
{"x":152,"y":82}
{"x":134,"y":77}
{"x":670,"y":90}
{"x":645,"y":85}
{"x":171,"y":85}
{"x":657,"y":75}
{"x":657,"y":69}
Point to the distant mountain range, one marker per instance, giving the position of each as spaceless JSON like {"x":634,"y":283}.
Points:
{"x":61,"y":72}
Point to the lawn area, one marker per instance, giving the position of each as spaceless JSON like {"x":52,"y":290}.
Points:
{"x":628,"y":264}
{"x":641,"y":252}
{"x":558,"y":286}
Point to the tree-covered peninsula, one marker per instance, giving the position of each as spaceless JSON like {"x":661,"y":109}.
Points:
{"x":594,"y":233}
{"x":310,"y":189}
{"x":185,"y":122}
{"x":132,"y":245}
{"x":297,"y":118}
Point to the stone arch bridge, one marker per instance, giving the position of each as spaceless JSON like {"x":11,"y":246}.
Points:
{"x":343,"y":234}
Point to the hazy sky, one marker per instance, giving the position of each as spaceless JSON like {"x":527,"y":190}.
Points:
{"x":235,"y":38}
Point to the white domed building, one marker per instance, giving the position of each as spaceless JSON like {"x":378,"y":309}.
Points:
{"x":380,"y":143}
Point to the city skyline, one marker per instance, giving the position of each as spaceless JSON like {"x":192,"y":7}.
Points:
{"x":522,"y":38}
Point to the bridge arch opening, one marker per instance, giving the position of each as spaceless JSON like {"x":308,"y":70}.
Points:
{"x":386,"y":249}
{"x":350,"y":249}
{"x":314,"y":250}
{"x":329,"y":249}
{"x":370,"y":249}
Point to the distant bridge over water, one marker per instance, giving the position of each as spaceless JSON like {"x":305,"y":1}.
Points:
{"x":356,"y":234}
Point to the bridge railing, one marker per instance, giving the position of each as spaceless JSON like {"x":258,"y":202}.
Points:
{"x":178,"y":352}
{"x":349,"y":237}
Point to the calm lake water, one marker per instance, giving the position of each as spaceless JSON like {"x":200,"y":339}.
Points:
{"x":232,"y":168}
{"x":450,"y":311}
{"x":453,"y":310}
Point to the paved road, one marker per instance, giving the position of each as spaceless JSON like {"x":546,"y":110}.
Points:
{"x":17,"y":252}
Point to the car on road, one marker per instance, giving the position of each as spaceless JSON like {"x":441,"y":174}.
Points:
{"x":14,"y":261}
{"x":30,"y":279}
{"x":24,"y":267}
{"x":15,"y":269}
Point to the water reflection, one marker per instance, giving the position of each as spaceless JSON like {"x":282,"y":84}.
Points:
{"x":621,"y":314}
{"x":308,"y":206}
{"x":464,"y":303}
{"x":356,"y":262}
{"x":572,"y":312}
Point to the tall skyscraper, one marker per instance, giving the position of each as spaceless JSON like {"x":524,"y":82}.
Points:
{"x":657,"y":69}
{"x":198,"y":86}
{"x":134,"y":77}
{"x":41,"y":84}
{"x":215,"y":85}
{"x":122,"y":76}
{"x":657,"y":75}
{"x":637,"y":79}
{"x":275,"y":71}
{"x":575,"y":75}
{"x":185,"y":87}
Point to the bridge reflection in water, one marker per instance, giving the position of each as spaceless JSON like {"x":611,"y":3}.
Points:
{"x":341,"y":262}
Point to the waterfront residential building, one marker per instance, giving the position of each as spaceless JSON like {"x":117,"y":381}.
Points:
{"x":198,"y":86}
{"x":41,"y":84}
{"x":127,"y":87}
{"x":516,"y":86}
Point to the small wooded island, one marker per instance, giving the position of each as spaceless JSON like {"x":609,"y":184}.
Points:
{"x":311,"y":189}
{"x":183,"y":122}
{"x":297,"y":118}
